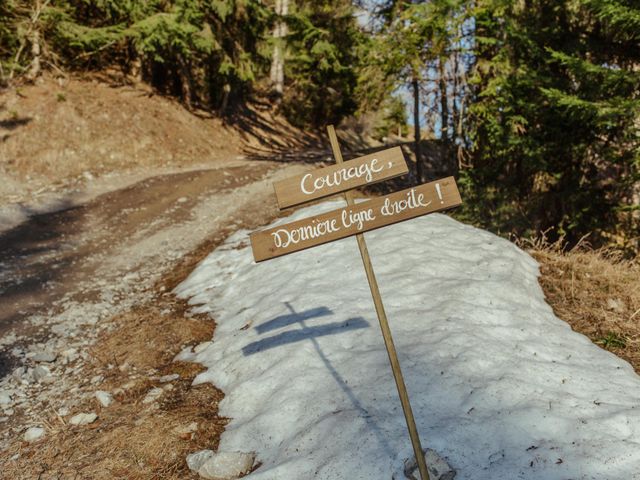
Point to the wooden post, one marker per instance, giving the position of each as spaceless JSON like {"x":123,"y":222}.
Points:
{"x":384,"y":326}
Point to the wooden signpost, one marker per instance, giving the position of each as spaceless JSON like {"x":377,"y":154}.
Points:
{"x":340,"y":178}
{"x":355,"y":219}
{"x":362,"y":217}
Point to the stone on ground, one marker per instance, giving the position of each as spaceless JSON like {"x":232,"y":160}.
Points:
{"x":44,"y":356}
{"x":105,"y":398}
{"x":220,"y":465}
{"x":5,"y":398}
{"x":83,"y":418}
{"x":33,"y":434}
{"x":40,"y":373}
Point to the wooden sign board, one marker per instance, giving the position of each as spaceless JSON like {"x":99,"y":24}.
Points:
{"x":334,"y":179}
{"x":344,"y":222}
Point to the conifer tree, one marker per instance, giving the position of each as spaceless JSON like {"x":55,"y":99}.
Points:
{"x":555,"y":116}
{"x":321,"y":67}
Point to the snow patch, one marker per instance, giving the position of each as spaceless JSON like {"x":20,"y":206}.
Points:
{"x":500,"y":387}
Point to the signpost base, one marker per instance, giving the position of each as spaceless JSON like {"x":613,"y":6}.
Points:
{"x":384,"y":326}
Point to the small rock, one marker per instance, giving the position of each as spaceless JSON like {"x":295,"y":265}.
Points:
{"x":83,"y":418}
{"x":197,"y":459}
{"x":33,"y":434}
{"x":615,"y":304}
{"x":69,"y":355}
{"x":226,"y":465}
{"x":153,"y":395}
{"x":128,"y":385}
{"x":97,"y":379}
{"x":40,"y":373}
{"x":203,"y":346}
{"x":438,"y":467}
{"x":169,"y":378}
{"x":5,"y":398}
{"x":63,"y":411}
{"x":44,"y":357}
{"x":182,"y":199}
{"x":105,"y":398}
{"x":186,"y":432}
{"x":48,"y":380}
{"x":18,"y":373}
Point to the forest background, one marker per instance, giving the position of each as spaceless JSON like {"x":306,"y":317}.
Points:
{"x":534,"y":104}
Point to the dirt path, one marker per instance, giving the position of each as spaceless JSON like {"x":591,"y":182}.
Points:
{"x":85,"y":306}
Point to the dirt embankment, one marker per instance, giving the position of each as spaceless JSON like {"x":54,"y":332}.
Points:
{"x":143,"y":190}
{"x":58,"y":131}
{"x":66,"y":140}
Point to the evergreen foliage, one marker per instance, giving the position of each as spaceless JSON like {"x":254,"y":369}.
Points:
{"x":321,"y":67}
{"x":555,"y":119}
{"x":536,"y":102}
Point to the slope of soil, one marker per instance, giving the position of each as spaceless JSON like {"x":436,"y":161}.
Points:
{"x":62,"y":133}
{"x":55,"y":130}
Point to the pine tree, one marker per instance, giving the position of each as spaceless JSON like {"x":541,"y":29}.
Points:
{"x":320,"y":73}
{"x":204,"y":51}
{"x":413,"y":49}
{"x":555,"y":118}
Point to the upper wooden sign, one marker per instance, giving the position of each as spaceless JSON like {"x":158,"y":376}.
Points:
{"x":340,"y":178}
{"x":344,"y":222}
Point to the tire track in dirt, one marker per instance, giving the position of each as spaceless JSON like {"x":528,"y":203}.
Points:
{"x":90,"y":285}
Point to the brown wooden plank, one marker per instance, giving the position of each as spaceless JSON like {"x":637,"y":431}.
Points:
{"x":344,"y":222}
{"x":340,"y":178}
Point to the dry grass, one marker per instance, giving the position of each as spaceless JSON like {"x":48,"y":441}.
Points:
{"x":145,"y":338}
{"x":597,"y":293}
{"x":130,"y":439}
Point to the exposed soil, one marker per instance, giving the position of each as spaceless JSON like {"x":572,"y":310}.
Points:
{"x":109,"y":196}
{"x":95,"y":280}
{"x":60,"y":129}
{"x":66,"y":140}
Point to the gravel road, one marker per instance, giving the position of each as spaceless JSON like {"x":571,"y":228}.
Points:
{"x":65,"y":275}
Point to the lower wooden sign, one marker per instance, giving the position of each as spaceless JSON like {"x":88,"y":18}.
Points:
{"x":344,"y":222}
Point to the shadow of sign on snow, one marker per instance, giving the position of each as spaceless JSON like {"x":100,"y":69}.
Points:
{"x":301,"y":334}
{"x":312,"y":333}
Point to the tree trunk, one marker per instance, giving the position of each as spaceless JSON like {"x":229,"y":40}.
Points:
{"x":34,"y":70}
{"x":444,"y":114}
{"x":444,"y":101}
{"x":277,"y":62}
{"x":226,"y":92}
{"x":455,"y":113}
{"x":416,"y":127}
{"x":185,"y":82}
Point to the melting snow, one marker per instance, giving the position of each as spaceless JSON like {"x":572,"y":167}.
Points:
{"x":499,"y":386}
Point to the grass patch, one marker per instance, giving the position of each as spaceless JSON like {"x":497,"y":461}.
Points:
{"x":597,"y":292}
